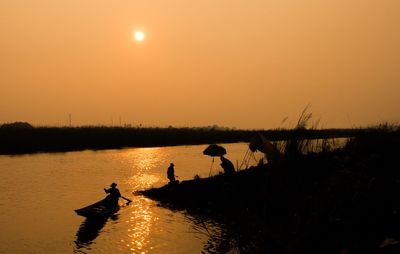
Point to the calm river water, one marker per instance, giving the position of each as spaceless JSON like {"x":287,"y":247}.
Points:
{"x":40,"y":192}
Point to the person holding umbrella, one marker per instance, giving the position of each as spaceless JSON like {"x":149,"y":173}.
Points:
{"x":214,"y":150}
{"x":227,"y":165}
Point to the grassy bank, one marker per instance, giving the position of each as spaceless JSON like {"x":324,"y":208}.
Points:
{"x":15,"y":140}
{"x":333,"y":201}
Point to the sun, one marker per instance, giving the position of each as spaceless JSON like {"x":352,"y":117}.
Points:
{"x":139,"y":36}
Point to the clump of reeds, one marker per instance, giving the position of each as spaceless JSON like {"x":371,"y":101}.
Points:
{"x":297,"y":142}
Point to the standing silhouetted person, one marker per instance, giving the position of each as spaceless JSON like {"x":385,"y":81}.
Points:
{"x":227,"y":165}
{"x":171,"y":173}
{"x":113,"y":195}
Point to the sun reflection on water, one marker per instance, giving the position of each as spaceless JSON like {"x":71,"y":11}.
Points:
{"x":141,"y":220}
{"x":140,"y":224}
{"x":143,"y":161}
{"x":146,"y":158}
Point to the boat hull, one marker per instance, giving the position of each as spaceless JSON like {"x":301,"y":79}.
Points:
{"x":98,"y":209}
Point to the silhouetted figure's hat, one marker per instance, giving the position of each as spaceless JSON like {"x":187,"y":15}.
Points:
{"x":172,"y":164}
{"x":113,"y":185}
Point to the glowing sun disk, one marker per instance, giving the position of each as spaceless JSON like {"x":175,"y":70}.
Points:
{"x":139,"y":36}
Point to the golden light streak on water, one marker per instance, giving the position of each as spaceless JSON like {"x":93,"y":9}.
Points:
{"x":141,"y":161}
{"x":141,"y":220}
{"x":146,"y":158}
{"x":141,"y":223}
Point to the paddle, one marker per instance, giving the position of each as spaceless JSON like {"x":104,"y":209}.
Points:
{"x":127,"y":199}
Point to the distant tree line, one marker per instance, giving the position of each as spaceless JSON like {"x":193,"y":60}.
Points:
{"x":19,"y":138}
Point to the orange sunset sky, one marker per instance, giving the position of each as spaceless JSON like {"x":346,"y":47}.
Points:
{"x":244,"y":64}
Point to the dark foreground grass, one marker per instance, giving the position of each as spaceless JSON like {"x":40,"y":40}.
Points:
{"x":343,"y":200}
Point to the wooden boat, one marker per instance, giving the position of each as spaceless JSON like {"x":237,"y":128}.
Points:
{"x":98,"y":209}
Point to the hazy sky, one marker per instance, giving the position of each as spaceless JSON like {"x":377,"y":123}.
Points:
{"x":244,"y":64}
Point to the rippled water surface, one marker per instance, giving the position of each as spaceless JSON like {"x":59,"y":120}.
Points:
{"x":40,"y":192}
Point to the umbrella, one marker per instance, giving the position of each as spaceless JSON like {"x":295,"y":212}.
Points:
{"x":214,"y":151}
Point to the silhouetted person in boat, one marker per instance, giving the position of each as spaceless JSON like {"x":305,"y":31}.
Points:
{"x":227,"y":165}
{"x":171,"y":173}
{"x":113,"y":195}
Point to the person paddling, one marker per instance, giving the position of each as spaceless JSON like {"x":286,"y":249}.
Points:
{"x":114,"y":195}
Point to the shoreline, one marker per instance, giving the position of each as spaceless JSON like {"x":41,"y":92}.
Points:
{"x":343,"y":200}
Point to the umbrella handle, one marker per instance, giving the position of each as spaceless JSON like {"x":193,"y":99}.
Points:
{"x":209,"y":174}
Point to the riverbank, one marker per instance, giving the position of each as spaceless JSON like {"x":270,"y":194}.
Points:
{"x":16,"y":140}
{"x":333,"y":201}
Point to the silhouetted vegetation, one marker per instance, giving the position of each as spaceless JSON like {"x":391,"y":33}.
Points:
{"x":16,"y":125}
{"x":16,"y":140}
{"x":343,"y":200}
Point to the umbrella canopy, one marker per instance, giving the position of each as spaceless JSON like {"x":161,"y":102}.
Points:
{"x":214,"y":150}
